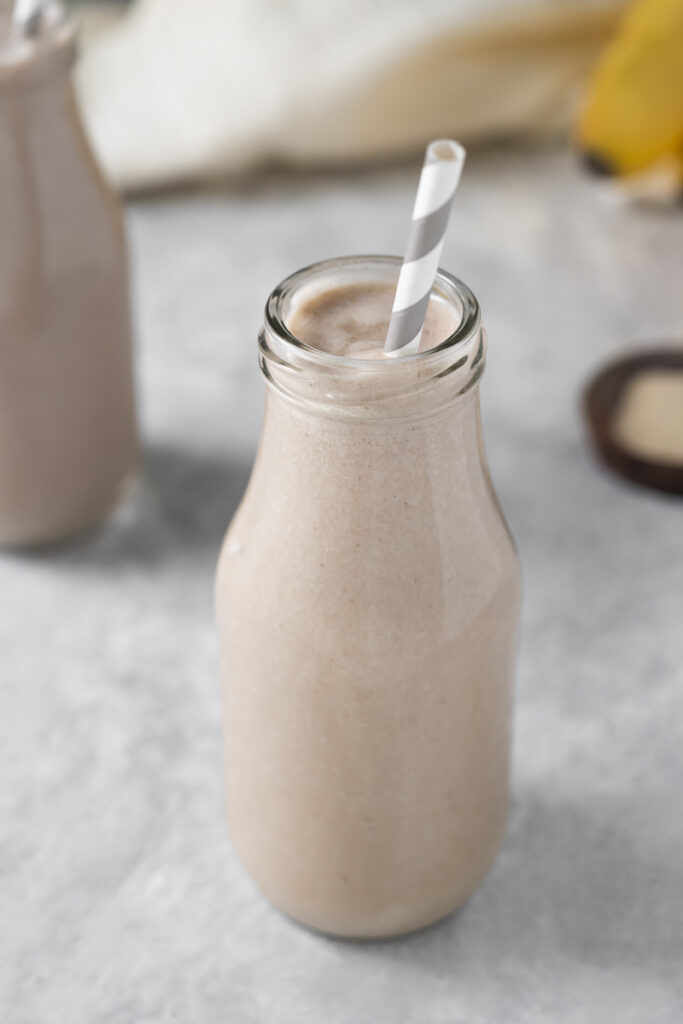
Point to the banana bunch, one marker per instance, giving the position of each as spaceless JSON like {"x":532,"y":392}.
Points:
{"x":631,"y":126}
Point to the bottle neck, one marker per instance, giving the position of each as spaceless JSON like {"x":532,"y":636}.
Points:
{"x":308,"y":457}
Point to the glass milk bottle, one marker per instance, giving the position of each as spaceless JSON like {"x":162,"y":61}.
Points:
{"x":68,"y":438}
{"x":368,"y":597}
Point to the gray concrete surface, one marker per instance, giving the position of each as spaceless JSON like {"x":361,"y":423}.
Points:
{"x":120,"y":899}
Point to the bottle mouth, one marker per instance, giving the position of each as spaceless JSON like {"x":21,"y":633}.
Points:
{"x":295,"y":367}
{"x":352,"y":269}
{"x":50,"y":47}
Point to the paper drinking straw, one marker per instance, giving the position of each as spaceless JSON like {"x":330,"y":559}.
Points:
{"x":26,"y":15}
{"x":439,"y":179}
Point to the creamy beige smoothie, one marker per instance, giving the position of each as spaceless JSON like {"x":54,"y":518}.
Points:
{"x":368,"y":601}
{"x":68,"y":440}
{"x":351,"y":320}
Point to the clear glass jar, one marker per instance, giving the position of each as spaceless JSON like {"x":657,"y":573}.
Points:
{"x":368,"y":597}
{"x":68,"y":437}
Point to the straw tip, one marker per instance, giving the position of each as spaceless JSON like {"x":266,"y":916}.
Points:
{"x":446,"y":149}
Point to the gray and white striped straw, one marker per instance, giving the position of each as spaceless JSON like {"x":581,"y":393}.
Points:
{"x":439,"y":179}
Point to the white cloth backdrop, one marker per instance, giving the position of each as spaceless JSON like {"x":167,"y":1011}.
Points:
{"x":182,"y":90}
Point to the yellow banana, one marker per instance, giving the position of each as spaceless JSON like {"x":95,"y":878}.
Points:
{"x":632,"y":120}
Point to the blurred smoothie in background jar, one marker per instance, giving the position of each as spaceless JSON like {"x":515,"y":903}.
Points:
{"x":68,"y":438}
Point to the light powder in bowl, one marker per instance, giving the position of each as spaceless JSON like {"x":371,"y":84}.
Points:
{"x":649,"y":419}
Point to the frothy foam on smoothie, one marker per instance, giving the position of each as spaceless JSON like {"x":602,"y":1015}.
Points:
{"x":353,"y":319}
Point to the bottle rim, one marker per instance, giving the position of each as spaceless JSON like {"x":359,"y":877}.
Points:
{"x":446,"y":285}
{"x":27,"y":62}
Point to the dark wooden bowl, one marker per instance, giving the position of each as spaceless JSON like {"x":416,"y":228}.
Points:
{"x":600,"y":402}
